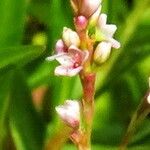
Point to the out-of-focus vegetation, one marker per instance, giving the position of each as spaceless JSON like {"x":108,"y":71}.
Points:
{"x":29,"y":91}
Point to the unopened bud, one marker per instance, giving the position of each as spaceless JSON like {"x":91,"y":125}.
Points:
{"x":102,"y":52}
{"x":70,"y":113}
{"x":89,"y":7}
{"x":80,"y":22}
{"x":70,"y":37}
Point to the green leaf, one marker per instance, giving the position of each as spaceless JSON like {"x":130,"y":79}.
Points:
{"x":5,"y":79}
{"x":12,"y":16}
{"x":19,"y":55}
{"x":26,"y":126}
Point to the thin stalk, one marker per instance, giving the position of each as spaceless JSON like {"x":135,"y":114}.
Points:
{"x":58,"y":140}
{"x":88,"y":84}
{"x":140,"y":114}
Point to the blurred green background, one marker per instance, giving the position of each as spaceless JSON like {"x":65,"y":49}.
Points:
{"x":29,"y":91}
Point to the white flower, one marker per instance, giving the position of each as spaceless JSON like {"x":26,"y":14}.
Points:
{"x":71,"y":62}
{"x":70,"y":113}
{"x":106,"y":31}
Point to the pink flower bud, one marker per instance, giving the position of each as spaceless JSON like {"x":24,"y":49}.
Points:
{"x":70,"y":113}
{"x":70,"y":37}
{"x":102,"y":52}
{"x":80,"y":22}
{"x":88,"y":7}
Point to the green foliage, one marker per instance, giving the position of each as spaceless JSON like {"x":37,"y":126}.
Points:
{"x":121,"y":81}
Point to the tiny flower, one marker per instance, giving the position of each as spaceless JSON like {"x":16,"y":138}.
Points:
{"x":71,"y":62}
{"x":70,"y":37}
{"x":70,"y":113}
{"x":102,"y":52}
{"x":105,"y":31}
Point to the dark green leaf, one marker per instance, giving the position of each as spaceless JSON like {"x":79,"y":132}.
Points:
{"x":26,"y":126}
{"x":19,"y":55}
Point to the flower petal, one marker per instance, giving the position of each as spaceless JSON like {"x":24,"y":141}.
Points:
{"x":65,"y":71}
{"x":60,"y":47}
{"x":65,"y":60}
{"x":102,"y":20}
{"x":115,"y":43}
{"x":70,"y":112}
{"x":109,"y":30}
{"x":82,"y":56}
{"x":53,"y":57}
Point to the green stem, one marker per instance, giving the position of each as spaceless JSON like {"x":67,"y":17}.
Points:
{"x":140,"y":114}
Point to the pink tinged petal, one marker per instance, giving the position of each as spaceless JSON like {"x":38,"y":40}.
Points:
{"x":70,"y":113}
{"x":115,"y":43}
{"x":60,"y":46}
{"x":65,"y":60}
{"x":51,"y":58}
{"x":89,"y":7}
{"x":102,"y":52}
{"x":66,"y":71}
{"x":78,"y":55}
{"x":102,"y":20}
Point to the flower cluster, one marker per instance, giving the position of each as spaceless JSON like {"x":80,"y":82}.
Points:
{"x":69,"y":52}
{"x":72,"y":51}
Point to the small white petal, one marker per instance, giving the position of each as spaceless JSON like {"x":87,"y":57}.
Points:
{"x":102,"y":20}
{"x":51,"y":58}
{"x":109,"y":30}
